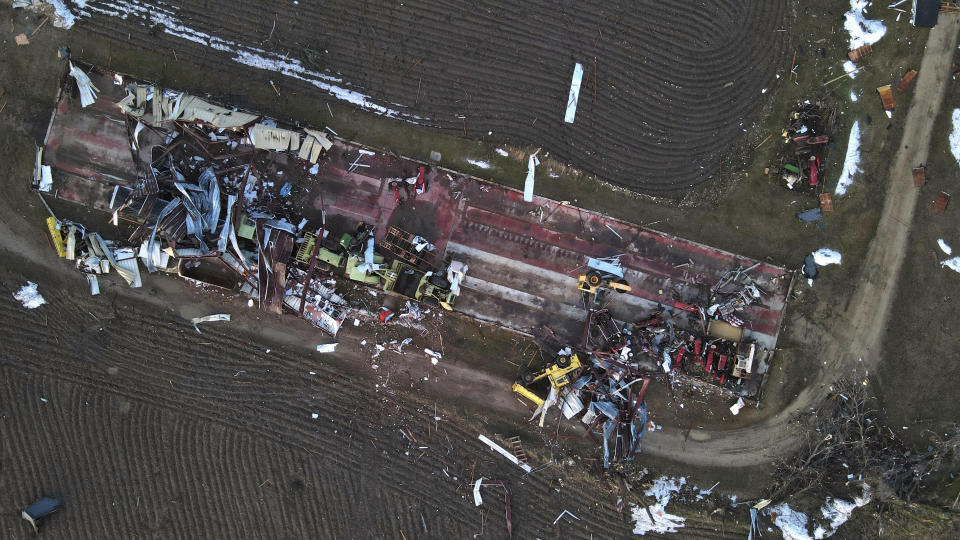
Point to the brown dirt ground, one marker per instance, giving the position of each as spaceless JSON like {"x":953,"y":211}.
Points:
{"x":29,"y":100}
{"x":675,"y":83}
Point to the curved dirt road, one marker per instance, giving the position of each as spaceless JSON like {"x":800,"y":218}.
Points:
{"x":866,"y":315}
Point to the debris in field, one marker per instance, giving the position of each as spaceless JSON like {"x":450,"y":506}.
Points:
{"x":860,"y":53}
{"x":863,"y":31}
{"x":500,"y":450}
{"x":21,"y":39}
{"x":851,"y":163}
{"x":502,"y":152}
{"x":809,"y":216}
{"x":826,"y":256}
{"x":944,"y":247}
{"x":532,"y":163}
{"x":886,"y":99}
{"x":735,"y":408}
{"x":955,"y":135}
{"x":434,"y":356}
{"x":88,"y":92}
{"x":908,"y":77}
{"x":953,"y":264}
{"x":479,"y":163}
{"x":574,"y":93}
{"x":477,"y":499}
{"x":565,"y":513}
{"x":327,"y":347}
{"x":209,"y":318}
{"x":314,"y":416}
{"x":39,"y":510}
{"x":655,"y":518}
{"x":926,"y":12}
{"x":29,"y":296}
{"x":941,"y":202}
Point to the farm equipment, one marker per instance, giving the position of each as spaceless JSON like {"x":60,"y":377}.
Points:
{"x":603,"y":274}
{"x":435,"y":288}
{"x":559,"y":373}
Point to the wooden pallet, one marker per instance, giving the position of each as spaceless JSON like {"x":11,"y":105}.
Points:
{"x":400,"y":244}
{"x":514,"y":444}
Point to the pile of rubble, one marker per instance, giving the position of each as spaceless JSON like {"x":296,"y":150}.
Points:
{"x":210,"y":204}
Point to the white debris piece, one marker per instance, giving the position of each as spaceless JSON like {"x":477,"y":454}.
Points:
{"x":574,"y":93}
{"x":955,"y":136}
{"x":735,"y":408}
{"x":434,"y":356}
{"x":851,"y":163}
{"x":314,"y":416}
{"x":953,"y":264}
{"x":532,"y":163}
{"x":327,"y":347}
{"x":944,"y":247}
{"x":863,"y":31}
{"x":29,"y":296}
{"x":851,"y":69}
{"x":826,"y":256}
{"x":209,"y":318}
{"x":477,"y":500}
{"x":500,"y":450}
{"x":88,"y":92}
{"x":663,"y":522}
{"x":502,"y":152}
{"x":479,"y":163}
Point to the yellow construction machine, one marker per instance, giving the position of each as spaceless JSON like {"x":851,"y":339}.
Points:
{"x":560,"y":373}
{"x":603,"y":274}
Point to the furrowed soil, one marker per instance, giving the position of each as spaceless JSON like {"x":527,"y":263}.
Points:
{"x":667,"y":87}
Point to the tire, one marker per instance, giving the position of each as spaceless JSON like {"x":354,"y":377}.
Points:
{"x":440,"y":281}
{"x":527,"y":377}
{"x":593,"y":278}
{"x":563,"y":361}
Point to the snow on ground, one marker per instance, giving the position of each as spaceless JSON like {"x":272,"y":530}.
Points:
{"x":794,"y":525}
{"x":63,"y":17}
{"x":953,"y":264}
{"x":826,"y":256}
{"x":944,"y":247}
{"x":663,"y":488}
{"x":850,"y":68}
{"x":853,"y":96}
{"x":503,"y":152}
{"x":851,"y":163}
{"x":479,"y":163}
{"x":167,"y":19}
{"x":29,"y":296}
{"x":862,"y":30}
{"x":955,"y":136}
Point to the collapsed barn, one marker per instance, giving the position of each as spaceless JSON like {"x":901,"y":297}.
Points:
{"x":301,"y":221}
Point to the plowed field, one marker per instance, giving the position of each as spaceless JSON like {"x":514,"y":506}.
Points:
{"x":668,"y":88}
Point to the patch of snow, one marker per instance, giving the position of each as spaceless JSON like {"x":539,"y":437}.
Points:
{"x":953,"y":264}
{"x":851,"y":163}
{"x":663,"y":522}
{"x":955,"y":136}
{"x":826,"y":256}
{"x":29,"y":296}
{"x":862,"y":30}
{"x":502,"y":152}
{"x":167,"y":18}
{"x":944,"y":247}
{"x":853,"y":96}
{"x":63,"y":17}
{"x":850,"y":68}
{"x":792,"y":524}
{"x":479,"y":163}
{"x":315,"y":169}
